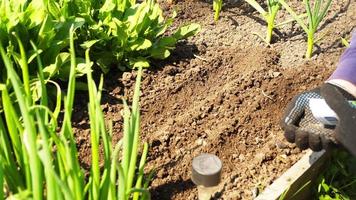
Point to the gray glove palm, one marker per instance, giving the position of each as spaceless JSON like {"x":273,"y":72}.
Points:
{"x":302,"y":128}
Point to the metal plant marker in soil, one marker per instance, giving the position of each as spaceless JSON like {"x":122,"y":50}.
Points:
{"x":222,"y":92}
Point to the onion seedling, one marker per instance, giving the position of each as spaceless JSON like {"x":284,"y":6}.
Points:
{"x":273,"y":6}
{"x":316,"y":14}
{"x":217,"y":5}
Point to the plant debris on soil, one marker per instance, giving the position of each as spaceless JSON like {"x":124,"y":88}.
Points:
{"x":222,"y":92}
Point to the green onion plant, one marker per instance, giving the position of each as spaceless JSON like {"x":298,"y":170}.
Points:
{"x":127,"y":167}
{"x":269,"y":15}
{"x":316,"y":12}
{"x":39,"y":159}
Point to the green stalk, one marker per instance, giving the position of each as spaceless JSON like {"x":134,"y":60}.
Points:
{"x":24,"y":67}
{"x":106,"y":141}
{"x":23,"y":101}
{"x":135,"y":130}
{"x":113,"y":172}
{"x":52,"y":189}
{"x":136,"y":98}
{"x":11,"y":118}
{"x":310,"y":45}
{"x":44,"y":97}
{"x":133,"y":157}
{"x":274,"y":8}
{"x":106,"y":138}
{"x":94,"y":136}
{"x":45,"y":153}
{"x":270,"y":27}
{"x":2,"y":195}
{"x":71,"y":163}
{"x":27,"y":168}
{"x":141,"y":170}
{"x":217,"y":5}
{"x":121,"y":195}
{"x":14,"y":179}
{"x":127,"y":138}
{"x":72,"y":74}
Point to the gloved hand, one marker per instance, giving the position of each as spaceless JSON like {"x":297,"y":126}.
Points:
{"x":302,"y":128}
{"x":345,"y":131}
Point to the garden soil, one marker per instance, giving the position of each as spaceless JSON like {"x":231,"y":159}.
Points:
{"x":222,"y":92}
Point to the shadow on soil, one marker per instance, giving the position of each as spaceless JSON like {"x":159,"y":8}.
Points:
{"x":184,"y":51}
{"x":168,"y":190}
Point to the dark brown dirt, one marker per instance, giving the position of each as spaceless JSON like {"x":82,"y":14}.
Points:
{"x":222,"y":92}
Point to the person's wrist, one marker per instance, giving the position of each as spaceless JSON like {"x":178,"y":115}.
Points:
{"x":345,"y":85}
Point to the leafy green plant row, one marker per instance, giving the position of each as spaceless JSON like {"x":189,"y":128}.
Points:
{"x":315,"y":13}
{"x":121,"y":33}
{"x":39,"y":158}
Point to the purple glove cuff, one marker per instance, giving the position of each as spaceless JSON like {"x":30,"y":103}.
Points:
{"x":346,"y":69}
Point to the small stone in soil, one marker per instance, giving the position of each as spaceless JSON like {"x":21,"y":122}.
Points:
{"x":259,"y":157}
{"x":281,"y":145}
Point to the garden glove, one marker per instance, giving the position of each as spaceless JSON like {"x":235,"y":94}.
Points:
{"x":345,"y":131}
{"x":302,"y":128}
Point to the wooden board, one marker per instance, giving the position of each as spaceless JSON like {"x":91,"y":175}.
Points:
{"x":296,"y":182}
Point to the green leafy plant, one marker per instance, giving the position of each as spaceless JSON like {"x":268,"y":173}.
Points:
{"x":30,"y":21}
{"x":338,"y":181}
{"x":269,"y":15}
{"x":316,"y":12}
{"x":217,"y":5}
{"x":39,"y":159}
{"x":129,"y":35}
{"x":121,"y":33}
